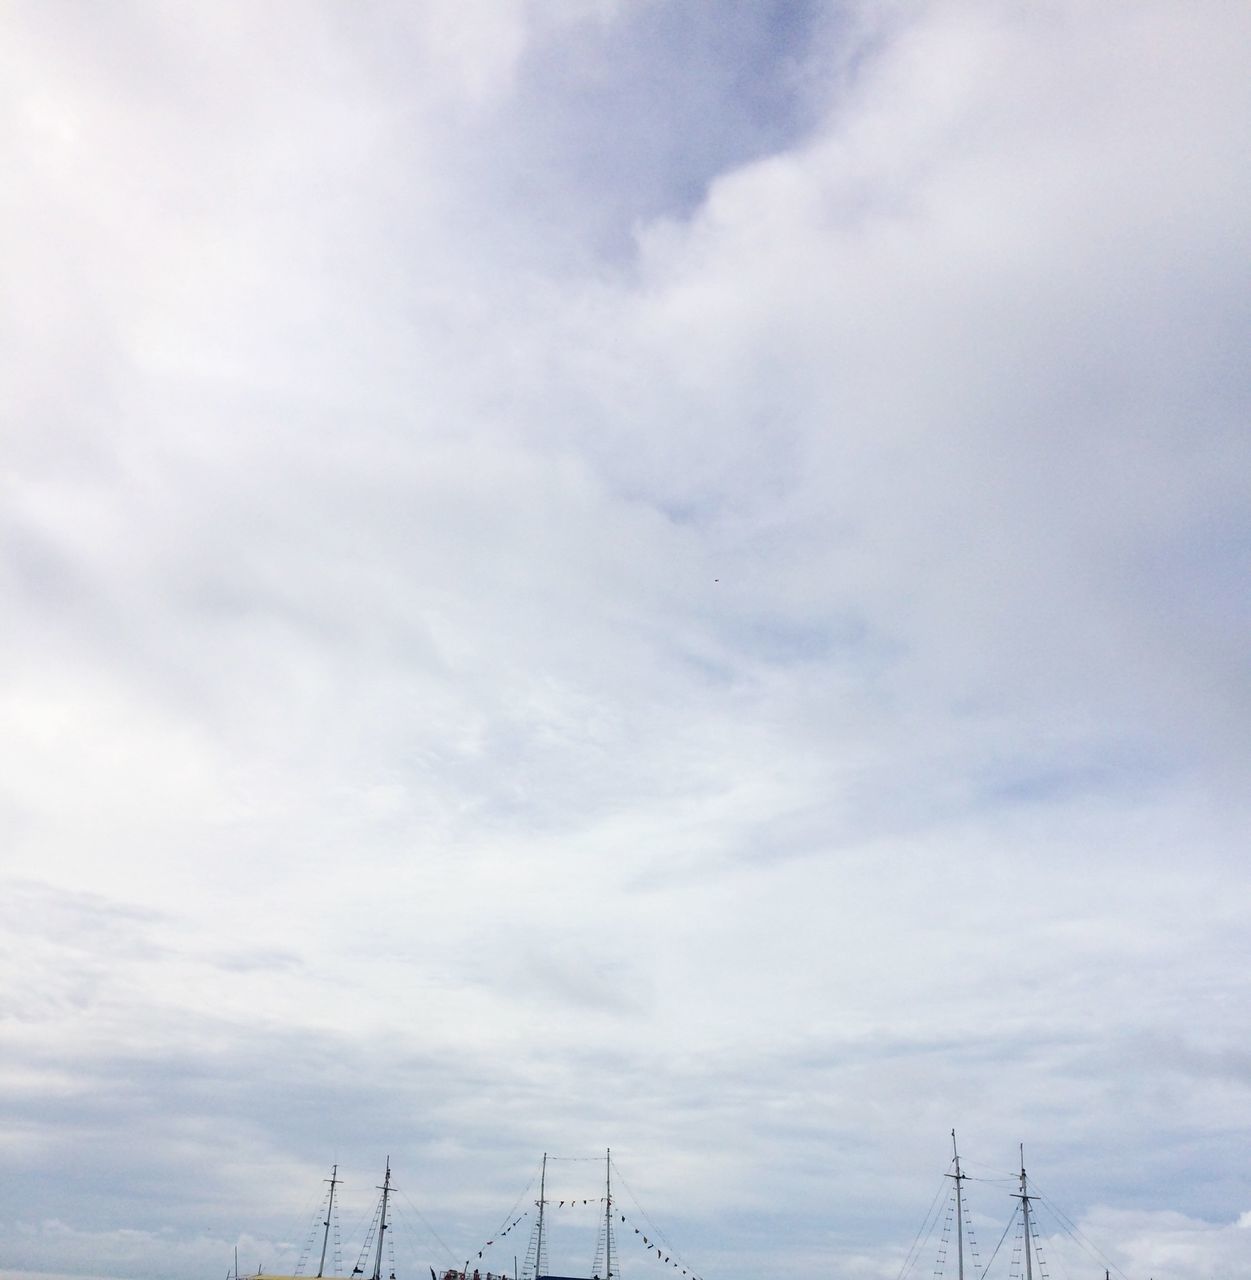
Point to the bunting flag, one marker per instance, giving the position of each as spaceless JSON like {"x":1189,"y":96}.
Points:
{"x":503,"y":1233}
{"x":661,"y":1255}
{"x":667,"y":1259}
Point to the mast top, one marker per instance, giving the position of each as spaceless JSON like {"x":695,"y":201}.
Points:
{"x":955,"y":1153}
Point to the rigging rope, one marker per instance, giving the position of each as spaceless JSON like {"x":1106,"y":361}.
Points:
{"x":367,"y":1247}
{"x":1071,"y":1229}
{"x":1002,"y":1238}
{"x":311,"y":1230}
{"x":421,"y":1219}
{"x":500,"y":1234}
{"x":525,"y":1191}
{"x":924,"y":1231}
{"x":651,"y":1226}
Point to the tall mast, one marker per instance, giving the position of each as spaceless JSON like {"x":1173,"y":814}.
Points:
{"x":334,"y":1181}
{"x":538,"y":1240}
{"x":1025,"y":1198}
{"x":608,"y":1213}
{"x":382,"y":1221}
{"x":959,"y":1178}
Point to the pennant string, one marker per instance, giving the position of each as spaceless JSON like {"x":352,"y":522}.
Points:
{"x":661,"y":1256}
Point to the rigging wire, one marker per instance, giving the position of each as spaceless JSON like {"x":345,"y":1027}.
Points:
{"x":945,"y":1238}
{"x":375,"y":1225}
{"x":656,"y":1234}
{"x":924,"y":1231}
{"x":1001,"y":1175}
{"x":505,"y":1227}
{"x":1072,"y":1230}
{"x":1036,"y":1234}
{"x":1002,"y":1238}
{"x":311,"y":1212}
{"x":508,"y":1217}
{"x":325,"y":1223}
{"x":974,"y":1251}
{"x":359,"y":1223}
{"x":1057,"y":1256}
{"x":310,"y":1237}
{"x":408,"y":1205}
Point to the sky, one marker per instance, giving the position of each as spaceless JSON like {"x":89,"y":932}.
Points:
{"x":657,"y":574}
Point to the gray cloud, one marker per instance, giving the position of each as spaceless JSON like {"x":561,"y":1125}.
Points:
{"x":631,"y":574}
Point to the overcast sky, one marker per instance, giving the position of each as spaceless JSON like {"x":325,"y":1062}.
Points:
{"x":664,"y":574}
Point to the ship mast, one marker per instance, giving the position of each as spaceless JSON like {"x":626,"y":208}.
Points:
{"x":608,"y":1214}
{"x":1025,"y":1198}
{"x":959,"y":1178}
{"x":382,"y":1220}
{"x":334,"y":1181}
{"x":538,"y":1239}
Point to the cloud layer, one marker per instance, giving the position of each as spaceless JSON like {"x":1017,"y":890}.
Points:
{"x":658,"y":575}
